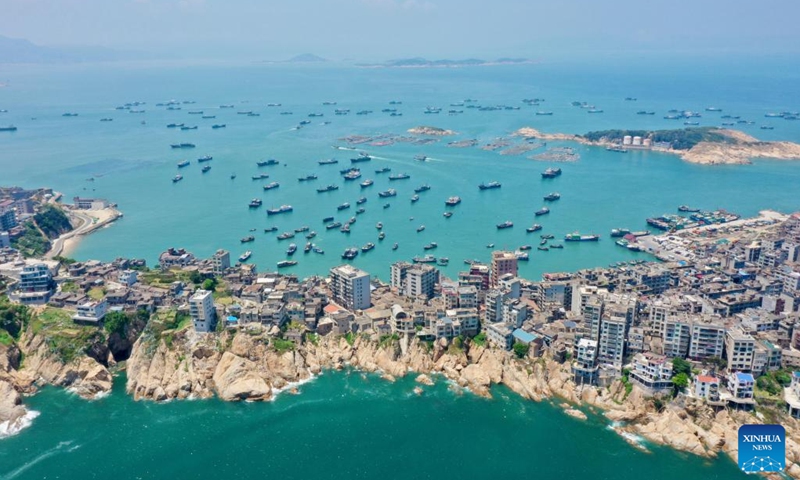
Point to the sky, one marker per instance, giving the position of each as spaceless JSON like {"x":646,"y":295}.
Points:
{"x":387,"y":29}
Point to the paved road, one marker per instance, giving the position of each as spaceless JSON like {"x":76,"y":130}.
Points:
{"x":86,"y":224}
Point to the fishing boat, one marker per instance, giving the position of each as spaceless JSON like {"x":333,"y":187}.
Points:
{"x":279,"y":210}
{"x":420,"y":228}
{"x":350,"y":253}
{"x":387,"y":205}
{"x":381,"y":236}
{"x":425,"y":259}
{"x":287,"y":263}
{"x":177,"y":178}
{"x":542,"y":211}
{"x":302,"y":229}
{"x":383,"y":170}
{"x":369,"y":246}
{"x":247,"y":239}
{"x":366,"y":183}
{"x":447,"y":214}
{"x":260,"y":176}
{"x":551,"y":173}
{"x":285,"y":236}
{"x":388,"y":193}
{"x":182,"y":145}
{"x":205,"y":158}
{"x":360,"y":211}
{"x":443,"y":261}
{"x":361,"y":200}
{"x":420,"y":158}
{"x":271,"y":229}
{"x":363,"y":157}
{"x":271,"y":186}
{"x":399,"y":176}
{"x":352,"y":174}
{"x":328,"y":188}
{"x":525,"y":247}
{"x":504,"y":225}
{"x":395,"y":246}
{"x":544,"y":249}
{"x":556,"y":245}
{"x":292,"y":248}
{"x":233,"y":176}
{"x":311,"y":235}
{"x":327,"y":219}
{"x":422,"y":188}
{"x":319,"y":250}
{"x":619,"y":232}
{"x":414,"y":198}
{"x":343,"y":206}
{"x":307,"y":178}
{"x":245,"y":256}
{"x":333,"y":225}
{"x":552,"y":197}
{"x":533,"y":228}
{"x":452,"y":201}
{"x":308,"y":247}
{"x":266,"y":163}
{"x":206,"y":169}
{"x":522,"y":256}
{"x":489,"y":186}
{"x":577,"y":237}
{"x":218,"y":126}
{"x":687,"y":209}
{"x":431,"y":246}
{"x":330,"y":161}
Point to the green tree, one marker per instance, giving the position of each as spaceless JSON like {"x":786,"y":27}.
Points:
{"x":679,"y":383}
{"x":116,"y":322}
{"x":13,"y":318}
{"x":521,"y":349}
{"x":679,"y":366}
{"x":195,"y":277}
{"x":209,"y":284}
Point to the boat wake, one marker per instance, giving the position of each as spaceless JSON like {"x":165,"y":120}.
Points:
{"x":62,"y":446}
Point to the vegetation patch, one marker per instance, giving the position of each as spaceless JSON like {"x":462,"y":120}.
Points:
{"x":679,"y":139}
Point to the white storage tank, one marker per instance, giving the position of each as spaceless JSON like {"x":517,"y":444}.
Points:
{"x":626,"y":140}
{"x":637,"y":140}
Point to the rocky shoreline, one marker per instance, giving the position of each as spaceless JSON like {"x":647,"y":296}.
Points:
{"x":245,"y":365}
{"x":740,"y":150}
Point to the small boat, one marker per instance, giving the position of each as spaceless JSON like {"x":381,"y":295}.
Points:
{"x":205,"y":158}
{"x":443,"y":261}
{"x":329,"y":188}
{"x":352,"y":174}
{"x":102,"y":120}
{"x":218,"y":126}
{"x":327,"y":219}
{"x":343,"y":206}
{"x":447,"y":214}
{"x":279,"y":210}
{"x":431,"y":246}
{"x":287,"y":263}
{"x":619,"y":232}
{"x":490,"y":245}
{"x":206,"y":169}
{"x":425,"y":259}
{"x":522,"y":256}
{"x":420,"y":158}
{"x":361,"y":200}
{"x":363,"y":157}
{"x":292,"y":248}
{"x":307,"y":178}
{"x":177,"y":178}
{"x":422,"y":188}
{"x":245,"y":256}
{"x":399,"y":176}
{"x":308,"y":247}
{"x":420,"y":228}
{"x":266,"y":163}
{"x":386,"y":205}
{"x":174,"y":125}
{"x":182,"y":145}
{"x":330,"y":161}
{"x":547,"y":236}
{"x":525,"y":247}
{"x":247,"y":239}
{"x":577,"y":237}
{"x":452,"y":201}
{"x":381,"y":236}
{"x":366,"y":183}
{"x":194,"y":127}
{"x":551,"y":173}
{"x":302,"y":229}
{"x":544,"y":249}
{"x":383,"y":170}
{"x":260,"y":176}
{"x":533,"y":228}
{"x":271,"y":185}
{"x":504,"y":225}
{"x":379,"y":225}
{"x":544,"y":113}
{"x":489,"y":186}
{"x":687,"y":209}
{"x":388,"y":193}
{"x":556,"y":245}
{"x":350,"y":253}
{"x":311,"y":235}
{"x":319,"y":251}
{"x":233,"y":176}
{"x":369,"y":246}
{"x":552,"y":197}
{"x":333,"y":225}
{"x":271,"y":229}
{"x":395,"y":246}
{"x":360,"y":211}
{"x":542,"y":211}
{"x":414,"y":198}
{"x":543,"y":242}
{"x":285,"y":236}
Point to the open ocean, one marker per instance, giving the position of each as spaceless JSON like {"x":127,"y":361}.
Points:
{"x":343,"y":426}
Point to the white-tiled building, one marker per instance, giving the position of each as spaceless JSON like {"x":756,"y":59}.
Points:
{"x":201,"y":309}
{"x":350,"y":287}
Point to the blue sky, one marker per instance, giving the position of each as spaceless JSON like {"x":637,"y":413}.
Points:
{"x":380,"y":29}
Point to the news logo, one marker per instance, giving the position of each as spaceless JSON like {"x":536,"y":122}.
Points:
{"x":762,"y":448}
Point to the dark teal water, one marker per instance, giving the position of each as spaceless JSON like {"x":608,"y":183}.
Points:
{"x":133,"y":164}
{"x":342,"y":425}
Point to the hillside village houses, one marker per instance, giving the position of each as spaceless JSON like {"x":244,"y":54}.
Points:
{"x":732,"y":311}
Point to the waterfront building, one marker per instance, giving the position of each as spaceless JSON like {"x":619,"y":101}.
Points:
{"x":611,"y":343}
{"x":201,"y":309}
{"x":652,"y":372}
{"x":553,"y":295}
{"x":503,"y":263}
{"x":739,"y":349}
{"x":493,"y":311}
{"x":91,"y":312}
{"x":584,"y":367}
{"x":399,"y":270}
{"x":8,"y":220}
{"x":402,"y":322}
{"x":5,"y":240}
{"x":707,"y":387}
{"x":791,"y":395}
{"x":741,"y":385}
{"x":708,"y":338}
{"x":35,"y":284}
{"x":421,"y":281}
{"x":514,"y":312}
{"x":220,"y":261}
{"x":500,"y":335}
{"x":350,"y":287}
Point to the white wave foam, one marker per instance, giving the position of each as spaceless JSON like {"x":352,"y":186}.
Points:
{"x":9,"y":428}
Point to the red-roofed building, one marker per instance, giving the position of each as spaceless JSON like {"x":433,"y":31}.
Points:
{"x":707,"y":387}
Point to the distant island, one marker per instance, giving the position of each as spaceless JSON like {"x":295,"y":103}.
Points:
{"x":18,"y":50}
{"x":701,"y":145}
{"x":302,"y":58}
{"x":425,"y":63}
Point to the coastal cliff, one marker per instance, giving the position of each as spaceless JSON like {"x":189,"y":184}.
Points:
{"x":247,"y":366}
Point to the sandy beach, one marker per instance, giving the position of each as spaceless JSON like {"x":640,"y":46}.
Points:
{"x":84,"y":223}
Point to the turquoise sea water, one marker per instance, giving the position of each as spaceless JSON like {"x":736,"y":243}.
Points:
{"x":342,"y":425}
{"x":133,"y":163}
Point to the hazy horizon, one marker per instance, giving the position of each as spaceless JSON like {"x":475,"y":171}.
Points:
{"x":385,"y":29}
